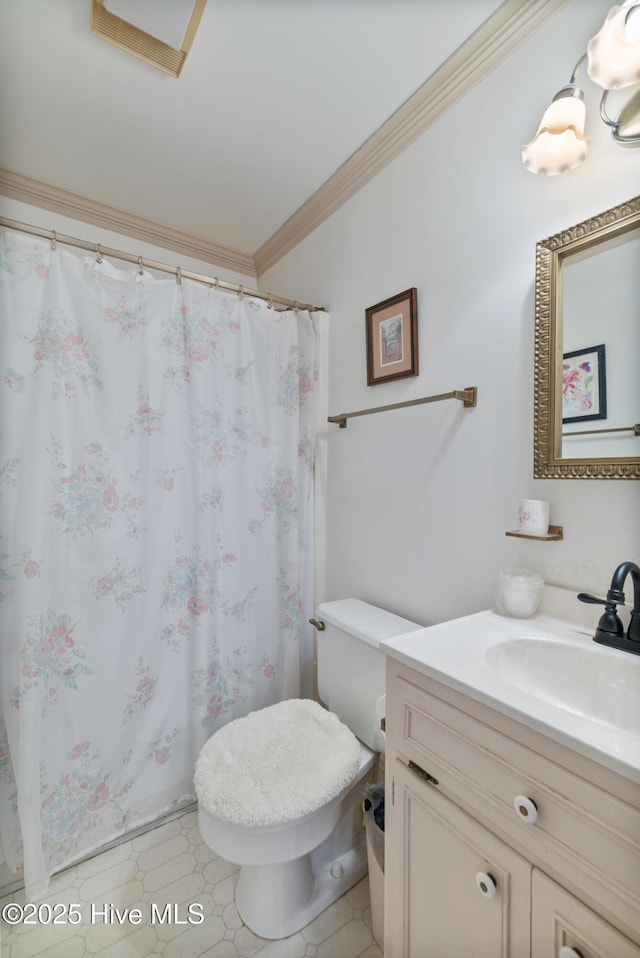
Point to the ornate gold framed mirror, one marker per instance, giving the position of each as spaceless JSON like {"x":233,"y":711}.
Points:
{"x":587,"y":349}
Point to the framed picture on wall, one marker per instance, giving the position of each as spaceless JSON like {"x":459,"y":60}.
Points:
{"x":584,"y":385}
{"x":392,"y":338}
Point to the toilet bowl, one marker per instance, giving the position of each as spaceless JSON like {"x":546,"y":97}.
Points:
{"x":280,"y":790}
{"x":291,"y":872}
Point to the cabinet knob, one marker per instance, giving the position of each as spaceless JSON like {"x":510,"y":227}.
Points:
{"x":527,"y":811}
{"x":487,"y":885}
{"x":566,"y":952}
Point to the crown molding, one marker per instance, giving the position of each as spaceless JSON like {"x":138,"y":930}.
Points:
{"x":496,"y":39}
{"x":28,"y":190}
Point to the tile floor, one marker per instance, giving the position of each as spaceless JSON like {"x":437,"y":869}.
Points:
{"x":171,"y":865}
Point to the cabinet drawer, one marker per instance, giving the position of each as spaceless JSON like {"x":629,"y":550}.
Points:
{"x":559,"y":920}
{"x":584,"y":836}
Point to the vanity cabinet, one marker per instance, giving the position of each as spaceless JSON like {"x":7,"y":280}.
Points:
{"x":499,"y":841}
{"x":462,"y":886}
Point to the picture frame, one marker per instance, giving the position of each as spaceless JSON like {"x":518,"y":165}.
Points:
{"x":392,"y":338}
{"x":584,"y":384}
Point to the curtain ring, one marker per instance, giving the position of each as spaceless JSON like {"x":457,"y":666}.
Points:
{"x":179,"y":276}
{"x":216,"y":283}
{"x":54,"y":239}
{"x":140,"y":266}
{"x":98,"y":253}
{"x":269,"y":301}
{"x":241,"y":292}
{"x":296,"y":307}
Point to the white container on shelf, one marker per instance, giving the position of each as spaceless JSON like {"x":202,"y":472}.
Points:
{"x":533,"y":517}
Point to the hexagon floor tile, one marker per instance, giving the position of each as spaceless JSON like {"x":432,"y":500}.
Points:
{"x":165,"y":893}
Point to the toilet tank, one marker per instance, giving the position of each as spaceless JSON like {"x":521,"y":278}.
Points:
{"x":351,"y":665}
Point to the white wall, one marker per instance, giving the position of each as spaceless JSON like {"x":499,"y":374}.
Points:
{"x":419,"y":499}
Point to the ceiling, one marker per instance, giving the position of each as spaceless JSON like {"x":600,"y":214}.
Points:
{"x":275,"y":96}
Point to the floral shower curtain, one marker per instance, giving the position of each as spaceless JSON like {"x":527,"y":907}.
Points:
{"x":156,"y":480}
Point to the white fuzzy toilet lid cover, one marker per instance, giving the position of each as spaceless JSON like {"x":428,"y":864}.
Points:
{"x":276,"y":764}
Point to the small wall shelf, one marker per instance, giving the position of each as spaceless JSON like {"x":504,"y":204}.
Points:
{"x":555,"y":534}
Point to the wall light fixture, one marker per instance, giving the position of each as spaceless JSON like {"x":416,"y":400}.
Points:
{"x":613,"y":62}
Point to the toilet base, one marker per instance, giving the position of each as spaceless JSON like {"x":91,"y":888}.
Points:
{"x":325,"y":854}
{"x":276,"y":901}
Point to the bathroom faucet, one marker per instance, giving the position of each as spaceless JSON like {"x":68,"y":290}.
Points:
{"x":610,"y":631}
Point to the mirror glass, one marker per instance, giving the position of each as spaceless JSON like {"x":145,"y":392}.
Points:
{"x":587,"y":376}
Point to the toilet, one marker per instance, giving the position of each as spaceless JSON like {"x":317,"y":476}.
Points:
{"x":280,"y":790}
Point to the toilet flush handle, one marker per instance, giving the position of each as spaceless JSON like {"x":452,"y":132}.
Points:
{"x":318,"y":624}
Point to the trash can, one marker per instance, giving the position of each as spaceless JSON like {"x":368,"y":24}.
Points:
{"x":373,"y":808}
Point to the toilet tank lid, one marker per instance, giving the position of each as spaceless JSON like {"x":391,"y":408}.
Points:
{"x":365,"y":621}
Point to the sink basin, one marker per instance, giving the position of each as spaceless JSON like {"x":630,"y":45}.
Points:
{"x":545,"y":672}
{"x":603,"y":688}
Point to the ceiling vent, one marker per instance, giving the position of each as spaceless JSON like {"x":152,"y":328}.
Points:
{"x":162,"y":34}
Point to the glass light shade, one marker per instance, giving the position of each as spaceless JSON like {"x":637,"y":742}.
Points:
{"x":613,"y":55}
{"x":560,"y":143}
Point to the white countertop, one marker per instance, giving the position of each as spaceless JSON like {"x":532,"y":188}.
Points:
{"x":458,"y":654}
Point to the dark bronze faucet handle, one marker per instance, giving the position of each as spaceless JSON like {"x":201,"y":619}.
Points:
{"x":610,"y":630}
{"x":593,"y":599}
{"x":610,"y":623}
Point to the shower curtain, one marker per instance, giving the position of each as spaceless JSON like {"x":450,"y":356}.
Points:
{"x":156,"y":478}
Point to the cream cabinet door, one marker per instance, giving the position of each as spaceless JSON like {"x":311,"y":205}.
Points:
{"x":453,"y":890}
{"x":562,"y":927}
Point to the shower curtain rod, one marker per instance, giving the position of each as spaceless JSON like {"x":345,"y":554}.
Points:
{"x":143,"y":261}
